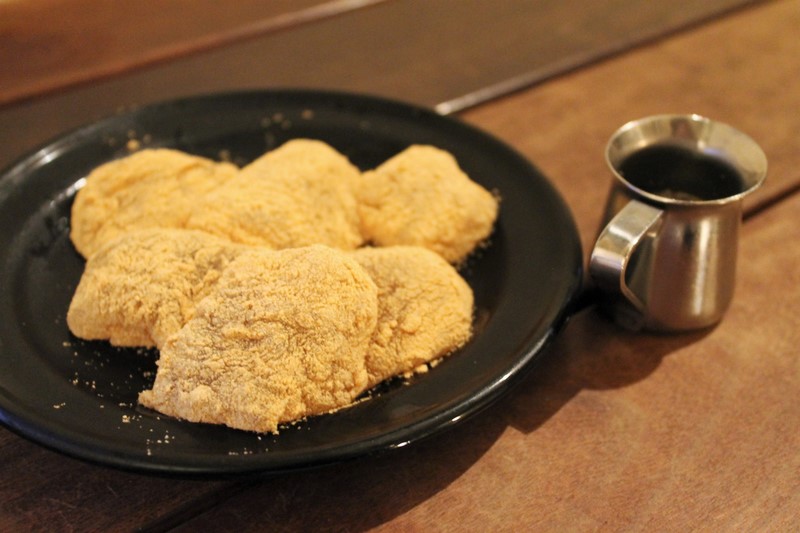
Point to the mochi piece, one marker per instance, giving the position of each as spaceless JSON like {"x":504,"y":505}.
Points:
{"x":421,"y":197}
{"x":282,"y":336}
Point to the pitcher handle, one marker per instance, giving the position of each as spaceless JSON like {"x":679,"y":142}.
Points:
{"x":616,"y":244}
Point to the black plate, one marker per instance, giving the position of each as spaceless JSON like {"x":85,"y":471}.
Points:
{"x":79,"y":397}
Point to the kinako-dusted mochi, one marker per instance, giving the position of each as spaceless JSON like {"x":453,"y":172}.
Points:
{"x":149,"y":188}
{"x":298,"y":194}
{"x":142,"y":287}
{"x":421,"y":197}
{"x":282,"y":336}
{"x":424,"y":309}
{"x":264,"y":310}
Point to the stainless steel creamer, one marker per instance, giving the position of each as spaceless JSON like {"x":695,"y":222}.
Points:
{"x":665,"y":259}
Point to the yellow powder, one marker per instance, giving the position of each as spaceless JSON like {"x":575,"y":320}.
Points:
{"x":424,"y":309}
{"x":142,"y":287}
{"x":150,"y":188}
{"x":283,"y":335}
{"x":299,"y":194}
{"x":421,"y":197}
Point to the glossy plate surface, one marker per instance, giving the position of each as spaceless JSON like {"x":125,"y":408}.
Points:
{"x":79,"y":397}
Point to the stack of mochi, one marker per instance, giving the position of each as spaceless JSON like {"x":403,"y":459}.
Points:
{"x":282,"y":289}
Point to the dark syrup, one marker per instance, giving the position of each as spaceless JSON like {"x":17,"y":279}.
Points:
{"x":680,"y":173}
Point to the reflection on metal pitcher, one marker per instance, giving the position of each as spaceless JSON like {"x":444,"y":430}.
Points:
{"x":666,"y":256}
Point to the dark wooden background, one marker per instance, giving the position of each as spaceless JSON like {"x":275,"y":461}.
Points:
{"x":616,"y":430}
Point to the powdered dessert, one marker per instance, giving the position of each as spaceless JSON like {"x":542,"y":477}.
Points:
{"x":282,"y":336}
{"x":298,"y":194}
{"x":150,"y":188}
{"x":143,"y":286}
{"x":256,"y":286}
{"x":421,"y":197}
{"x":424,"y":309}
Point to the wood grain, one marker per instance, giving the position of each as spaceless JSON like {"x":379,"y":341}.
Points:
{"x":44,"y":491}
{"x":736,"y":70}
{"x":614,"y":431}
{"x":447,"y":53}
{"x":53,"y":44}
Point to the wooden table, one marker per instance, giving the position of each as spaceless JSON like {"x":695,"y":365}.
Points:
{"x":615,"y":430}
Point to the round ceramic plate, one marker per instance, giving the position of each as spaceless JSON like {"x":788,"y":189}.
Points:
{"x":79,"y":397}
